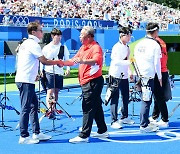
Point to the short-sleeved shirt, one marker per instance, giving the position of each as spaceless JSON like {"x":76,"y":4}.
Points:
{"x":147,"y":54}
{"x":88,"y":72}
{"x":27,"y":62}
{"x":51,"y":51}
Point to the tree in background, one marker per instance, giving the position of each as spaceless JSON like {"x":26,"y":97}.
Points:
{"x":170,"y":3}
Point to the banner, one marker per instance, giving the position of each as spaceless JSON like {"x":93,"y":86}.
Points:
{"x":76,"y":23}
{"x":20,"y":20}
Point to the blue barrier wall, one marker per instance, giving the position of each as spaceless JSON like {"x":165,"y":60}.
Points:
{"x":75,"y":23}
{"x":105,"y":37}
{"x":1,"y":47}
{"x":11,"y":33}
{"x":20,"y":20}
{"x":7,"y":64}
{"x":58,"y":22}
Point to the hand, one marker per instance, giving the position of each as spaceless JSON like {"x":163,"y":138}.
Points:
{"x":41,"y":74}
{"x":60,"y":63}
{"x":131,"y":78}
{"x":67,"y":73}
{"x":78,"y":60}
{"x":37,"y":78}
{"x":160,"y":82}
{"x":132,"y":59}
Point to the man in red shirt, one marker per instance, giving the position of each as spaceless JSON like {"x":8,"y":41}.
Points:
{"x":161,"y":94}
{"x":90,"y":58}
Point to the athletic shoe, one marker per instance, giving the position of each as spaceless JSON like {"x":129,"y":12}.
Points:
{"x":80,"y":129}
{"x":153,"y":121}
{"x":78,"y":139}
{"x":116,"y":125}
{"x":150,"y":128}
{"x":162,"y":124}
{"x":41,"y":137}
{"x":153,"y":124}
{"x":103,"y":135}
{"x":28,"y":140}
{"x":127,"y":121}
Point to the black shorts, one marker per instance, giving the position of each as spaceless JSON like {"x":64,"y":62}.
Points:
{"x":50,"y":81}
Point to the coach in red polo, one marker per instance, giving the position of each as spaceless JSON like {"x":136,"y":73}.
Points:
{"x":90,"y":58}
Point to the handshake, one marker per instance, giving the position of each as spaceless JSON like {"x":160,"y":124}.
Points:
{"x":69,"y":62}
{"x":60,"y":63}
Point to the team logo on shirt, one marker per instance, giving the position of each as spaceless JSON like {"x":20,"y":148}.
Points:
{"x":141,"y":49}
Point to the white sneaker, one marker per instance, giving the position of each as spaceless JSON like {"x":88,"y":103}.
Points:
{"x":116,"y":125}
{"x":27,"y":140}
{"x":80,"y":129}
{"x":103,"y":135}
{"x":41,"y":137}
{"x":153,"y":124}
{"x":78,"y":139}
{"x":153,"y":121}
{"x":127,"y":121}
{"x":150,"y":128}
{"x":162,"y":124}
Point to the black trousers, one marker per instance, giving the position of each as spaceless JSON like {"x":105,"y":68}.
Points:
{"x":92,"y":107}
{"x":29,"y":108}
{"x":124,"y":88}
{"x":159,"y":98}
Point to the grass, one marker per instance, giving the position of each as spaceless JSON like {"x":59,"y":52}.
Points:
{"x":11,"y":86}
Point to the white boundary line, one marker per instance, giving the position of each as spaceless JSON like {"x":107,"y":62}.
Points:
{"x":168,"y":135}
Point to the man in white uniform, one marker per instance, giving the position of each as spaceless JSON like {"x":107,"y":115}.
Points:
{"x":27,"y":70}
{"x":120,"y":65}
{"x":147,"y":54}
{"x":54,"y":74}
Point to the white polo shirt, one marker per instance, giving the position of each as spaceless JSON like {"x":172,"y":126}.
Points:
{"x":27,"y":61}
{"x":118,"y":63}
{"x":51,"y":51}
{"x":147,"y":54}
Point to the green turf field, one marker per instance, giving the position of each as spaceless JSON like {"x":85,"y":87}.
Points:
{"x":72,"y":79}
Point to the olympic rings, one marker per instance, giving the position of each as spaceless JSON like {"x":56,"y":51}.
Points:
{"x":20,"y":21}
